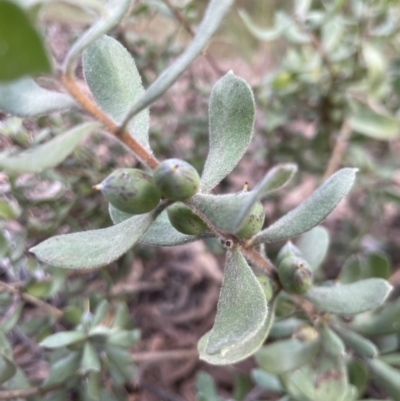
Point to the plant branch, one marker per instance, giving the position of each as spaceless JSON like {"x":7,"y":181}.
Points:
{"x":152,"y":356}
{"x":25,"y":393}
{"x":143,"y":154}
{"x":57,"y":313}
{"x":260,"y":261}
{"x":338,"y":151}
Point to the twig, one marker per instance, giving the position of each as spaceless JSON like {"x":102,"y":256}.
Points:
{"x":340,"y":147}
{"x":33,"y":300}
{"x":144,"y":155}
{"x":260,"y":262}
{"x":394,"y":279}
{"x":164,"y":355}
{"x":14,"y":394}
{"x":190,"y":31}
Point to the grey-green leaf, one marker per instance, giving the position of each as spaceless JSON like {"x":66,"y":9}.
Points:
{"x":231,"y":116}
{"x":160,"y":233}
{"x":115,"y":83}
{"x":49,"y":154}
{"x":113,"y":12}
{"x":62,"y":339}
{"x":242,"y":307}
{"x":266,"y":380}
{"x":312,"y":211}
{"x":22,"y":50}
{"x":7,"y":368}
{"x":63,"y":368}
{"x":350,"y":299}
{"x":95,"y":248}
{"x":214,"y":14}
{"x":243,"y":349}
{"x":387,"y":377}
{"x":90,"y":360}
{"x":25,"y":98}
{"x":285,"y":355}
{"x":378,"y":126}
{"x":314,"y":245}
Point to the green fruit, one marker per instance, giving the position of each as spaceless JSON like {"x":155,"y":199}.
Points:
{"x":131,"y":190}
{"x":184,"y":220}
{"x":295,"y":274}
{"x":176,"y":179}
{"x":287,"y":250}
{"x":253,"y":223}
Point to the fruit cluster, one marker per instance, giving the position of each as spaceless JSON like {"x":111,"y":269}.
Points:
{"x":135,"y":191}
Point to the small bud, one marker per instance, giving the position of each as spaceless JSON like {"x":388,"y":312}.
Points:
{"x":253,"y":223}
{"x":295,"y":275}
{"x":184,"y":220}
{"x":176,"y":179}
{"x":289,"y":249}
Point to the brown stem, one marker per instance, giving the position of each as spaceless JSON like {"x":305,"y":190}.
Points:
{"x":338,"y":151}
{"x":57,"y":313}
{"x":164,"y":355}
{"x":180,"y":18}
{"x":14,"y":394}
{"x":259,"y":261}
{"x":144,"y":155}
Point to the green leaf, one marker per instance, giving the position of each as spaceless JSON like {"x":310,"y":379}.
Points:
{"x":359,"y":344}
{"x":206,"y":388}
{"x":376,"y":66}
{"x":376,"y":265}
{"x":358,"y":375}
{"x":285,"y":355}
{"x":101,"y":312}
{"x":266,"y":381}
{"x":6,"y":210}
{"x":124,"y":338}
{"x":391,"y":359}
{"x":49,"y":154}
{"x":243,"y":349}
{"x":378,"y":126}
{"x":351,"y":270}
{"x":93,"y":385}
{"x":94,"y":248}
{"x":90,"y":361}
{"x":160,"y":233}
{"x":312,"y":211}
{"x":387,"y":377}
{"x":314,"y":246}
{"x":231,"y":116}
{"x":62,"y":339}
{"x":384,"y":321}
{"x":115,"y":83}
{"x":213,"y":16}
{"x":7,"y":366}
{"x":350,"y":299}
{"x":121,"y":317}
{"x":8,"y":323}
{"x":242,"y":307}
{"x":121,"y":362}
{"x":25,"y":98}
{"x":63,"y":368}
{"x":22,"y":51}
{"x":113,"y":12}
{"x":3,"y":246}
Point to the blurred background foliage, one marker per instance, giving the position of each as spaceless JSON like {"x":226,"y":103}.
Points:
{"x":327,"y":86}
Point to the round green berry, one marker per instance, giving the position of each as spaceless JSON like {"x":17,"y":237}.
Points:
{"x":253,"y":223}
{"x":184,"y":220}
{"x":131,"y":190}
{"x":176,"y":179}
{"x":295,"y":274}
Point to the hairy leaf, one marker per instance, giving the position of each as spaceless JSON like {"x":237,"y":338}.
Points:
{"x":90,"y":360}
{"x":242,"y":307}
{"x":243,"y":349}
{"x":115,"y":83}
{"x":62,"y":339}
{"x":63,"y":368}
{"x":350,"y":299}
{"x":160,"y":233}
{"x":387,"y":377}
{"x":25,"y":98}
{"x":22,"y":51}
{"x":111,"y":15}
{"x":49,"y":154}
{"x":94,"y":248}
{"x":312,"y":211}
{"x":231,"y":111}
{"x":214,"y":14}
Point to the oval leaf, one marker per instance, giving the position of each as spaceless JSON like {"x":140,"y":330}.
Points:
{"x":374,"y":125}
{"x":242,"y":307}
{"x":213,"y":16}
{"x":160,"y":233}
{"x":350,"y":299}
{"x":22,"y":51}
{"x":285,"y":355}
{"x":243,"y":349}
{"x":90,"y":360}
{"x":387,"y":377}
{"x":111,"y":15}
{"x":25,"y":98}
{"x":49,"y":154}
{"x":312,"y":211}
{"x":115,"y":83}
{"x":62,"y":339}
{"x":94,"y":248}
{"x":314,"y":245}
{"x":231,"y":115}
